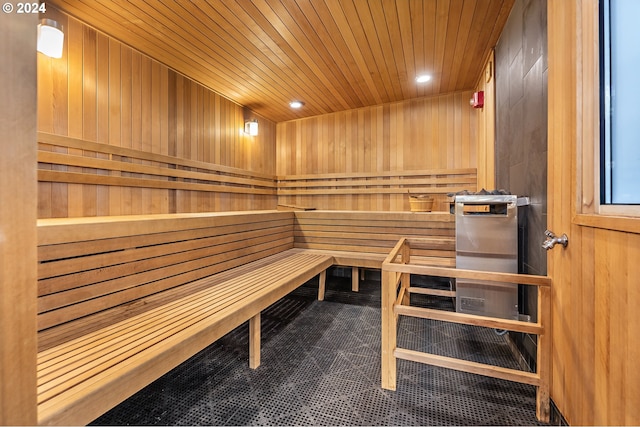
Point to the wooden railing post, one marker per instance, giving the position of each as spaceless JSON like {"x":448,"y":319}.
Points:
{"x":388,"y":330}
{"x":544,"y":354}
{"x":406,"y":277}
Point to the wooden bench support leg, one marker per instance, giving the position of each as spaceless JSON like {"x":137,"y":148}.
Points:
{"x":355,"y":285}
{"x":254,"y":341}
{"x":322,"y":285}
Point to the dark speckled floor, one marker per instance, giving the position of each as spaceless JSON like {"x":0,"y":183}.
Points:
{"x":321,"y":366}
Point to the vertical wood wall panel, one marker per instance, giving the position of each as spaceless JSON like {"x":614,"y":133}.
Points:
{"x":595,"y":336}
{"x":18,"y":234}
{"x":116,"y":105}
{"x":420,"y":134}
{"x":103,"y":91}
{"x":486,"y":126}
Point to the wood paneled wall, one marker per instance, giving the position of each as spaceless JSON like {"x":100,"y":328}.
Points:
{"x":18,"y":235}
{"x":416,"y":135}
{"x":104,"y":95}
{"x":102,"y":91}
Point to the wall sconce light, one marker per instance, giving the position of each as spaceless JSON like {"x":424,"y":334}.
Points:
{"x":251,"y":127}
{"x":50,"y":38}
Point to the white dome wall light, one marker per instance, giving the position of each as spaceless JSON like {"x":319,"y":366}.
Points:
{"x":50,"y":38}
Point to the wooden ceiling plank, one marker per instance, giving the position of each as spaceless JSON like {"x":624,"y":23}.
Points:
{"x":300,"y":55}
{"x":394,"y":35}
{"x":466,"y":21}
{"x":259,"y":80}
{"x":269,"y":53}
{"x":469,"y":63}
{"x":442,"y":14}
{"x":362,"y":57}
{"x":405,"y":24}
{"x":368,"y":39}
{"x":181,"y":23}
{"x":429,"y":17}
{"x":386,"y":22}
{"x":273,"y":92}
{"x":281,"y":64}
{"x":391,"y":69}
{"x":308,"y":37}
{"x":416,"y":12}
{"x":262,"y":26}
{"x":332,"y":38}
{"x":453,"y":25}
{"x":334,"y":49}
{"x":487,"y":39}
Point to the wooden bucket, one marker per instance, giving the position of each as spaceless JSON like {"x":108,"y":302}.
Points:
{"x":420,"y":203}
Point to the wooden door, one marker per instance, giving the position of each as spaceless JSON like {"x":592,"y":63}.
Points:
{"x":596,"y":279}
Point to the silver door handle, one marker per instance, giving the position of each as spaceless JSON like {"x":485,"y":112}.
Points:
{"x":552,"y":240}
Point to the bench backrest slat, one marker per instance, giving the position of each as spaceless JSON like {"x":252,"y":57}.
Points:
{"x":72,"y":273}
{"x":117,"y":266}
{"x":374,"y":232}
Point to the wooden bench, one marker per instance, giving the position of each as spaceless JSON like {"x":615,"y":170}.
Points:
{"x":124,"y":300}
{"x":363,"y":239}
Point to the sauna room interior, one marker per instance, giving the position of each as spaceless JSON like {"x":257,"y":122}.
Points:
{"x":241,"y":212}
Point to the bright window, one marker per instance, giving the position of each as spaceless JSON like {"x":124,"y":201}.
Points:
{"x":620,"y":105}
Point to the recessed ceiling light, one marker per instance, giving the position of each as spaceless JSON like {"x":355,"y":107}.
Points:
{"x":296,"y":104}
{"x":423,"y":78}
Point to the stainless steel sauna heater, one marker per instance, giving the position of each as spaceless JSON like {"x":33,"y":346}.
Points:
{"x":487,"y":240}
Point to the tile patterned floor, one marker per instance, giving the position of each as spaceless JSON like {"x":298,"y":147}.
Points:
{"x":321,"y":366}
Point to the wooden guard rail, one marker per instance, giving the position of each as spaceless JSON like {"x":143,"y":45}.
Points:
{"x":396,"y":272}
